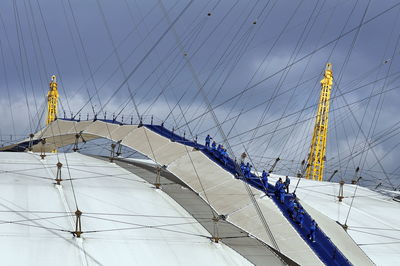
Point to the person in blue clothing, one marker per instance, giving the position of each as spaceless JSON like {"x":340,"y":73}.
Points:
{"x":300,"y":216}
{"x":242,"y":167}
{"x":282,"y":194}
{"x":291,"y":207}
{"x":278,"y":186}
{"x":208,"y":140}
{"x":264,"y":178}
{"x":214,"y":146}
{"x":296,"y":205}
{"x":248,"y":171}
{"x":219,"y":148}
{"x":224,"y":157}
{"x":313,"y":227}
{"x":287,"y":183}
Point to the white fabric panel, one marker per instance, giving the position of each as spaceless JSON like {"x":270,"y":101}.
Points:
{"x":234,"y":190}
{"x":247,"y":219}
{"x":288,"y":240}
{"x":22,"y":189}
{"x":335,"y":233}
{"x":198,"y":171}
{"x":38,"y":250}
{"x":110,"y":197}
{"x":374,"y":218}
{"x":101,"y":129}
{"x":58,"y":127}
{"x":121,"y":132}
{"x":80,"y":126}
{"x":213,"y":176}
{"x":145,"y":141}
{"x":170,"y":152}
{"x":225,"y":194}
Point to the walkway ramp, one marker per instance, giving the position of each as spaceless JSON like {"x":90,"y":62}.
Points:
{"x":335,"y":232}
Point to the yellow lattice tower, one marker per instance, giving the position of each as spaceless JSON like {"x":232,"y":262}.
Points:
{"x":316,"y":157}
{"x":52,"y":100}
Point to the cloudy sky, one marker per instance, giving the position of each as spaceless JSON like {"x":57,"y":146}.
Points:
{"x":256,"y":65}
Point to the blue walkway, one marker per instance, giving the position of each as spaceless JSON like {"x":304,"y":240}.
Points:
{"x":323,"y":246}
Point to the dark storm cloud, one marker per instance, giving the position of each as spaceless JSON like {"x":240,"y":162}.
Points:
{"x":226,"y":49}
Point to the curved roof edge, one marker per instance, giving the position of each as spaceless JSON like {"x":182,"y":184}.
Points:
{"x":247,"y":246}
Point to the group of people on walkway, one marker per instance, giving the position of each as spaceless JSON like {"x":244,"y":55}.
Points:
{"x":281,"y":188}
{"x":297,"y":213}
{"x":295,"y":210}
{"x":246,"y":171}
{"x":222,"y":154}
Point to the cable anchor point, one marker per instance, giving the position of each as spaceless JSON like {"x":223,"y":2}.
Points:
{"x":112,"y":155}
{"x":119,"y":149}
{"x":76,"y":148}
{"x":341,"y":196}
{"x":157,"y":184}
{"x":42,"y":149}
{"x":58,"y":175}
{"x":30,"y":142}
{"x":78,"y":225}
{"x":215,"y":237}
{"x":140,"y":122}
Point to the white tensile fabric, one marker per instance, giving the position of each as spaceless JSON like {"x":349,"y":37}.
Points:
{"x":119,"y":208}
{"x":222,"y":191}
{"x":372,"y":222}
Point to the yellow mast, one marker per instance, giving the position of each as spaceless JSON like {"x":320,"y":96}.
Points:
{"x":316,"y":157}
{"x":52,"y":100}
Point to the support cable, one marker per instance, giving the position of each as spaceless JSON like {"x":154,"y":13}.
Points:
{"x":198,"y":84}
{"x":301,"y":58}
{"x":114,"y":46}
{"x":147,"y":54}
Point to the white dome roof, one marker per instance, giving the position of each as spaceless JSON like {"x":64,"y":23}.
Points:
{"x":125,"y":221}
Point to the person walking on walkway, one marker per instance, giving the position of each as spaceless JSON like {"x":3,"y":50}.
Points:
{"x":278,"y":186}
{"x":287,"y":183}
{"x":300,"y":216}
{"x":291,"y":208}
{"x":214,"y":146}
{"x":313,"y":228}
{"x":242,"y":168}
{"x":208,"y":140}
{"x":247,"y":170}
{"x":264,"y":178}
{"x":219,"y":148}
{"x":282,"y":194}
{"x":249,"y":166}
{"x":225,"y":157}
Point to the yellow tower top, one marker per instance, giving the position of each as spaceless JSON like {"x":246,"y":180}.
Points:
{"x":316,"y":157}
{"x":328,"y":78}
{"x":52,"y":100}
